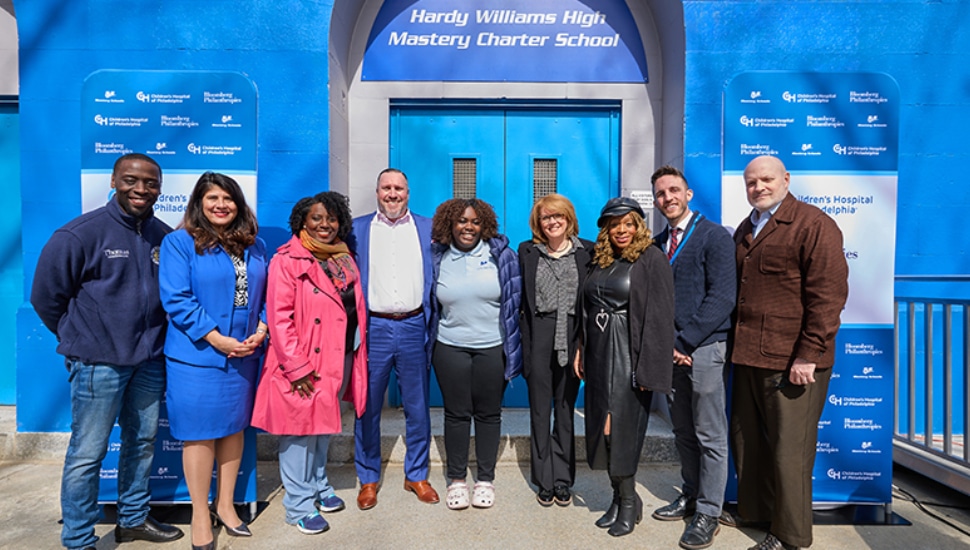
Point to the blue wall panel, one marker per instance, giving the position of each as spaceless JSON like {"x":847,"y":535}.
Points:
{"x":283,"y":48}
{"x":926,"y":55}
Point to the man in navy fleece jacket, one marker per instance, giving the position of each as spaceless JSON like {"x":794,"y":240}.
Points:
{"x":96,"y":289}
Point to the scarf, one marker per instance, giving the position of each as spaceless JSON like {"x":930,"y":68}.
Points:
{"x":334,"y":259}
{"x":556,"y":283}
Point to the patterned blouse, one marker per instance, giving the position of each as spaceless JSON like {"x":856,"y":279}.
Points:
{"x":242,"y":281}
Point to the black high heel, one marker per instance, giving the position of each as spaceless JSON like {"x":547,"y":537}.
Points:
{"x":209,"y":546}
{"x":241,"y":531}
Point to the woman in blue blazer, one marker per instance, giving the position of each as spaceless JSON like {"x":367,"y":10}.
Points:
{"x":212,"y":278}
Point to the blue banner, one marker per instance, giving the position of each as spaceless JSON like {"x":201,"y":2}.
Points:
{"x":167,"y":479}
{"x":854,"y":460}
{"x":846,"y":122}
{"x":185,"y":119}
{"x":190,"y":122}
{"x":838,"y":135}
{"x":505,"y":40}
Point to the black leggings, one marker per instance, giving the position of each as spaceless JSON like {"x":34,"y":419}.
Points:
{"x":472,"y":383}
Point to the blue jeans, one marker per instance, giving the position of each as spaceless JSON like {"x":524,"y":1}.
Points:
{"x":100,"y":394}
{"x":303,"y":469}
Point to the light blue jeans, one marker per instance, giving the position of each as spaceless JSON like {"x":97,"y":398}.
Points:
{"x":101,"y":394}
{"x":303,"y":469}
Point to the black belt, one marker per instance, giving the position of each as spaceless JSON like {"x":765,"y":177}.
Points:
{"x":397,"y":316}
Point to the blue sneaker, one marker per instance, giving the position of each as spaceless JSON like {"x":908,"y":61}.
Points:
{"x":314,"y":524}
{"x":330,"y":504}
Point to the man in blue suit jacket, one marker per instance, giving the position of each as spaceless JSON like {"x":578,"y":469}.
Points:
{"x":702,"y":257}
{"x":393,"y":252}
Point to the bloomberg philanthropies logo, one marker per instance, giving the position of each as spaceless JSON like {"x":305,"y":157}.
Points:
{"x":825,"y":448}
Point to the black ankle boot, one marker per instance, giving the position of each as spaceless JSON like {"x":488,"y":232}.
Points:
{"x":630,"y":509}
{"x":609,"y":518}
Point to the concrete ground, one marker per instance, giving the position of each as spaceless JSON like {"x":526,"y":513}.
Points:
{"x":29,"y":514}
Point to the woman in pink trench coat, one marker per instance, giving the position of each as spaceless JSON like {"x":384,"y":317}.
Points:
{"x":316,"y":356}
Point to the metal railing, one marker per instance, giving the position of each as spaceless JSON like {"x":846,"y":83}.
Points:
{"x":932,"y":388}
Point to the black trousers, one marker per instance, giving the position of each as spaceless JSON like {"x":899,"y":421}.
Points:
{"x":472,"y":383}
{"x":552,"y":389}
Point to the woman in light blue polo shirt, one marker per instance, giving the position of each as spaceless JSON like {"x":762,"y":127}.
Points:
{"x":478,"y":291}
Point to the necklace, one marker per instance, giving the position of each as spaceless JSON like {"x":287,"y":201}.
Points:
{"x":602,"y":318}
{"x":558,"y":252}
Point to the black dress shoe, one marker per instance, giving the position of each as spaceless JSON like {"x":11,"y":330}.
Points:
{"x":700,"y":533}
{"x":150,"y":530}
{"x":681,"y":508}
{"x":545,"y":497}
{"x":771,"y":542}
{"x":562,"y":495}
{"x":730,"y":518}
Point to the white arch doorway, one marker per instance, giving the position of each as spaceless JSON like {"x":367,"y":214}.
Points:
{"x":651,"y":113}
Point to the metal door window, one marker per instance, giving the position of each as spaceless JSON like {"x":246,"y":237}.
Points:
{"x":464,"y":177}
{"x":545,"y":173}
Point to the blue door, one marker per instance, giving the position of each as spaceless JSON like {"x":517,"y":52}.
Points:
{"x":509,"y":156}
{"x":11,"y":261}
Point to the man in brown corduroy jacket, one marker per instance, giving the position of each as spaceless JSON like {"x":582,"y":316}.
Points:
{"x":792,"y":286}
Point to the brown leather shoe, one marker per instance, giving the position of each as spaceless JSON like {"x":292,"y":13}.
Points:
{"x":367,"y":497}
{"x":423,"y":490}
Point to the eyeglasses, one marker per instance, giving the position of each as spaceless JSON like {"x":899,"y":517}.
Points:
{"x":557,"y":217}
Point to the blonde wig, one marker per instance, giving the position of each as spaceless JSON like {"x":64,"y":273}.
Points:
{"x":603,"y":253}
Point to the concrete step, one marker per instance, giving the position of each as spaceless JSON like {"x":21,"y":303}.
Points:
{"x":513,"y":447}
